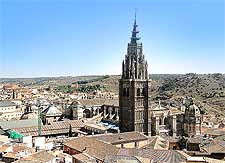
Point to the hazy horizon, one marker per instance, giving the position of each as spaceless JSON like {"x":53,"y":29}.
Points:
{"x":100,"y":75}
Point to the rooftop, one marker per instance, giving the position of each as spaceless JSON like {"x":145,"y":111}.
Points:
{"x":6,"y":103}
{"x":165,"y":156}
{"x":119,"y":138}
{"x":14,"y":124}
{"x":92,"y":147}
{"x":59,"y":127}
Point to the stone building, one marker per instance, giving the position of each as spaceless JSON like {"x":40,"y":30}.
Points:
{"x":51,"y":114}
{"x":135,"y":111}
{"x":108,"y":109}
{"x":29,"y":113}
{"x":192,"y":119}
{"x":166,"y":120}
{"x":134,"y":98}
{"x":9,"y":110}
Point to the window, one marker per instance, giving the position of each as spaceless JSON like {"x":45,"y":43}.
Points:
{"x":135,"y":144}
{"x":138,"y":92}
{"x":124,"y":92}
{"x":143,"y":92}
{"x":128,"y":92}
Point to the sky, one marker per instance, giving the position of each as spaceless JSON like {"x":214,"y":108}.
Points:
{"x":89,"y":37}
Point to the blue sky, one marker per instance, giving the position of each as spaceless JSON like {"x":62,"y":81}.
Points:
{"x":87,"y":37}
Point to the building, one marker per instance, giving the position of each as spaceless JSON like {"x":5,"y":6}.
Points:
{"x":89,"y":146}
{"x":89,"y":108}
{"x":51,"y":114}
{"x":166,"y":120}
{"x":9,"y":110}
{"x":134,"y":88}
{"x":192,"y":120}
{"x":29,"y":113}
{"x":135,"y":111}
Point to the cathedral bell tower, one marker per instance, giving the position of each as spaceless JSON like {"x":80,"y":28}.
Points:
{"x":134,"y":88}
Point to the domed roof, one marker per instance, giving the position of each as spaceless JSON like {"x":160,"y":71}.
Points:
{"x":52,"y":111}
{"x":29,"y":115}
{"x":194,"y":109}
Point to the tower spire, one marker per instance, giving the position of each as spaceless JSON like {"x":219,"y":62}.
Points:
{"x":134,"y":37}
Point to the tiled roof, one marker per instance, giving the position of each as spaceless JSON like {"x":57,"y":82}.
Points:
{"x":42,"y":156}
{"x":215,"y":146}
{"x":84,"y":157}
{"x":119,"y":138}
{"x":92,"y":147}
{"x":7,"y":103}
{"x":124,"y":159}
{"x":165,"y":156}
{"x":157,"y":142}
{"x":18,"y":123}
{"x":26,"y":161}
{"x":211,"y":160}
{"x":215,"y":132}
{"x":59,"y":127}
{"x":19,"y":147}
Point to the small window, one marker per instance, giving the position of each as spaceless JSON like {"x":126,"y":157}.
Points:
{"x":143,"y":92}
{"x":138,"y":92}
{"x":135,"y":144}
{"x":128,"y":92}
{"x":124,"y":92}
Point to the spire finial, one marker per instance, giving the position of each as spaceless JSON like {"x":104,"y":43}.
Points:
{"x":134,"y":37}
{"x":135,"y":14}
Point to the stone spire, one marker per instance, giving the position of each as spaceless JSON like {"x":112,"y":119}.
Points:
{"x":135,"y":66}
{"x":134,"y":37}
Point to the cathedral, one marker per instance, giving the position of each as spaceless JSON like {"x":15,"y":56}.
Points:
{"x":134,"y":88}
{"x":135,"y":110}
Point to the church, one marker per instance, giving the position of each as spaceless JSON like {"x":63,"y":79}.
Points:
{"x":135,"y":110}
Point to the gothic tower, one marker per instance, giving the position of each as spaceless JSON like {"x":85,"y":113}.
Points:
{"x":134,"y":88}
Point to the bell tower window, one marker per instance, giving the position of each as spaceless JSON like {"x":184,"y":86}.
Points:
{"x":138,"y":92}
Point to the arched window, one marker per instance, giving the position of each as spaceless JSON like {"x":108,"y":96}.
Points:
{"x":138,"y":92}
{"x":160,"y":121}
{"x":128,"y":91}
{"x":143,"y":92}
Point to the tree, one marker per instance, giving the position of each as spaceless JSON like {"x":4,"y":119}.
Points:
{"x":70,"y":131}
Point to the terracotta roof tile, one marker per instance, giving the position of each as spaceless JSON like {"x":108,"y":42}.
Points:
{"x":92,"y":147}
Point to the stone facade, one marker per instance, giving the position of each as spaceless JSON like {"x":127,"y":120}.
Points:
{"x":134,"y":88}
{"x":135,"y":112}
{"x":192,"y":120}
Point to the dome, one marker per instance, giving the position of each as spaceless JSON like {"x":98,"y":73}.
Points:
{"x":52,"y":111}
{"x":194,"y":109}
{"x":30,"y":115}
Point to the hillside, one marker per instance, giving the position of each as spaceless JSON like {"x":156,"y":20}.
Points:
{"x":207,"y":89}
